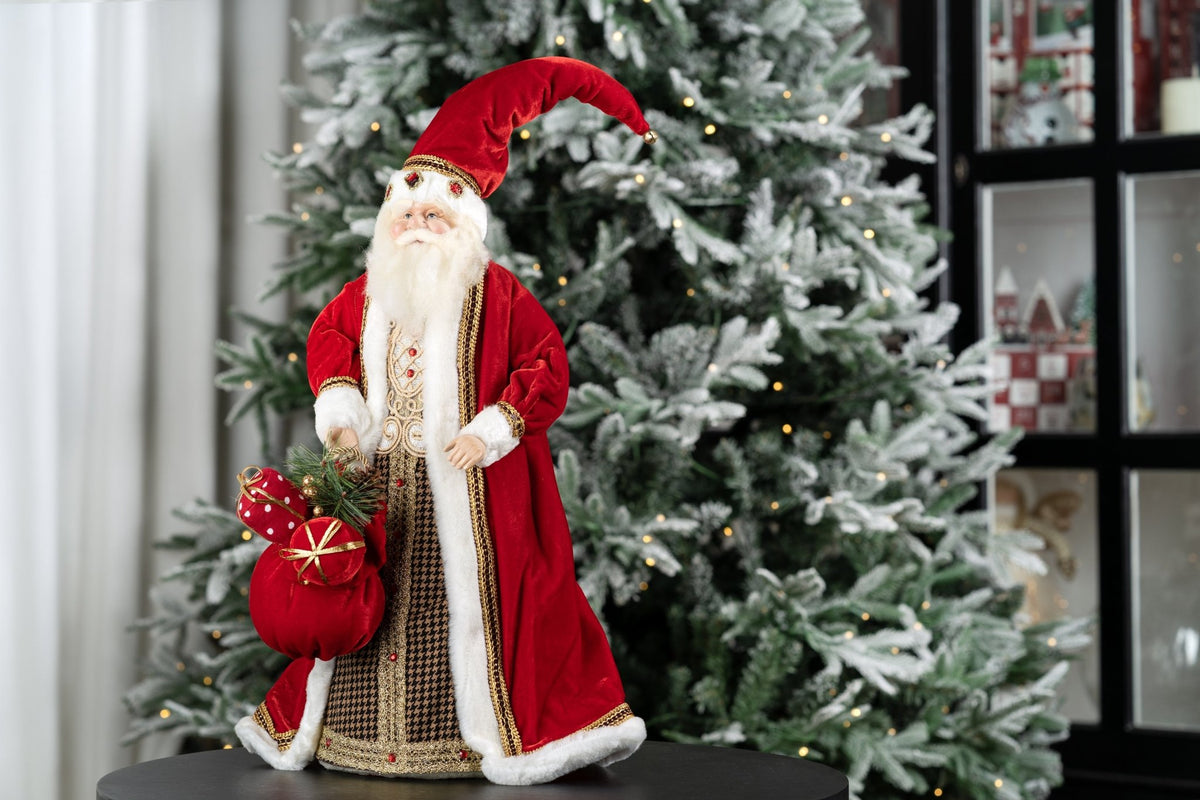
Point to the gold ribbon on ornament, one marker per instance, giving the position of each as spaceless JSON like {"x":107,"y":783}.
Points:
{"x":244,"y":482}
{"x":319,"y":549}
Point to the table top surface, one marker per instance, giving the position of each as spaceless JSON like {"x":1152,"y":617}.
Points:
{"x":658,"y":770}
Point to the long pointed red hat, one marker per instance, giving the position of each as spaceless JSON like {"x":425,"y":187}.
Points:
{"x":462,"y":156}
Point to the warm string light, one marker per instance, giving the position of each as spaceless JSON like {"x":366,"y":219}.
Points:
{"x":164,"y":713}
{"x":777,"y":386}
{"x":865,"y":617}
{"x":227,"y":747}
{"x":660,"y":518}
{"x":304,"y":216}
{"x":293,"y":357}
{"x":710,"y":129}
{"x":297,"y":148}
{"x":247,"y":536}
{"x":643,"y":586}
{"x":216,"y":634}
{"x":847,"y":200}
{"x":562,"y":280}
{"x":886,"y":292}
{"x":823,"y":119}
{"x":537,"y":267}
{"x":774,"y":505}
{"x":787,"y":94}
{"x":803,"y":751}
{"x":1052,"y":642}
{"x":689,"y":101}
{"x":562,"y":302}
{"x":849,"y":635}
{"x":525,"y":134}
{"x":208,"y":680}
{"x":785,"y":266}
{"x":617,"y":36}
{"x":869,"y":233}
{"x":560,"y":40}
{"x":827,"y":435}
{"x":375,"y":127}
{"x":639,"y":179}
{"x":247,"y":384}
{"x":885,"y":137}
{"x":650,"y":562}
{"x":677,"y":223}
{"x":844,"y":156}
{"x":881,"y":476}
{"x":647,"y":539}
{"x":691,"y":292}
{"x":787,"y":428}
{"x":319,"y":190}
{"x":728,"y":531}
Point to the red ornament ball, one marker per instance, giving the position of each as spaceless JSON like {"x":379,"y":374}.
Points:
{"x":325,"y":551}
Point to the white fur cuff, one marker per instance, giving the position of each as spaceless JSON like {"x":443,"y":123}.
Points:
{"x":341,"y":407}
{"x":496,"y":433}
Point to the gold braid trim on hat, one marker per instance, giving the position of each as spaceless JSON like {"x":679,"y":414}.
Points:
{"x":442,"y":167}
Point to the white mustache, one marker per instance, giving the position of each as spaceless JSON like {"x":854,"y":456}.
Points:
{"x":418,"y":237}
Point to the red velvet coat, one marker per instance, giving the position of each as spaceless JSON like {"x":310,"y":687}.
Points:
{"x":556,"y":673}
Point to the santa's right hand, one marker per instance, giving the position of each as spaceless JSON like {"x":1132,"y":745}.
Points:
{"x":341,"y":437}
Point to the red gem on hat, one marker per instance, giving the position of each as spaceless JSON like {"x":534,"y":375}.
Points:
{"x":456,"y":188}
{"x":388,"y":194}
{"x":464,"y":755}
{"x":413,"y":179}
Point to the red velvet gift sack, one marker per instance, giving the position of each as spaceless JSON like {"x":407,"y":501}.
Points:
{"x":315,"y":620}
{"x":326,"y":551}
{"x":308,"y":619}
{"x":269,"y":504}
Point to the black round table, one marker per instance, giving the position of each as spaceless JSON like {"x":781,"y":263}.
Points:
{"x":657,"y":771}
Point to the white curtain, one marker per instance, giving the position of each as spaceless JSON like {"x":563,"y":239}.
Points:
{"x":130,"y":136}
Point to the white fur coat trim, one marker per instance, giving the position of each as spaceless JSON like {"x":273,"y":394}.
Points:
{"x":495,"y":431}
{"x":304,"y":743}
{"x":603,"y":746}
{"x":341,"y":407}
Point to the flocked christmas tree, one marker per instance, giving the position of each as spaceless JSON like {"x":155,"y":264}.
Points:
{"x":768,"y":458}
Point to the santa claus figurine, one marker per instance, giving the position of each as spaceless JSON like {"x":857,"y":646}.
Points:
{"x":445,"y":370}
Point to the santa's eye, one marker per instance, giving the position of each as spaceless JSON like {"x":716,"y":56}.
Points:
{"x":408,"y":215}
{"x":431,"y":215}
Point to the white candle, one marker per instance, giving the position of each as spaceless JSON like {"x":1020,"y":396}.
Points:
{"x":1181,"y":105}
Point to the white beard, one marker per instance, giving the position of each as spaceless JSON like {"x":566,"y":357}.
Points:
{"x":421,"y":275}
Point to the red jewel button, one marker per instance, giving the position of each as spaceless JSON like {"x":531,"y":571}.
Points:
{"x":410,"y":373}
{"x":412,"y":351}
{"x":392,"y":758}
{"x":463,"y":754}
{"x":456,"y":188}
{"x":392,"y":656}
{"x":329,"y":742}
{"x":400,"y":483}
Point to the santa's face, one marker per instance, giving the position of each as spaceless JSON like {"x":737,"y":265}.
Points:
{"x":423,"y":258}
{"x":429,"y":218}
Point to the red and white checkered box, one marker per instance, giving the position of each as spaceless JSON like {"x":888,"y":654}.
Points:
{"x":1037,"y":385}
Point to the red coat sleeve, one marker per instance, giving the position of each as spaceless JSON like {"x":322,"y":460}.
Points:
{"x":333,"y":342}
{"x":538,"y":374}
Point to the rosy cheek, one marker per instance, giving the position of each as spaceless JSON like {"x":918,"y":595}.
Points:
{"x":438,"y":226}
{"x":398,"y":228}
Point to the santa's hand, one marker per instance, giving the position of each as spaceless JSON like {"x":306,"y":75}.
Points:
{"x":465,"y":450}
{"x":341,"y":437}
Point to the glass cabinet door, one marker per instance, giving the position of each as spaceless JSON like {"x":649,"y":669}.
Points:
{"x":1059,"y":507}
{"x":1161,"y":66}
{"x":1166,"y":598}
{"x":1039,"y":305}
{"x":1038,"y":73}
{"x":1162,"y":278}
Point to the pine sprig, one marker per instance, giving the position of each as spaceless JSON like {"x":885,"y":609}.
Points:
{"x":336,"y":483}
